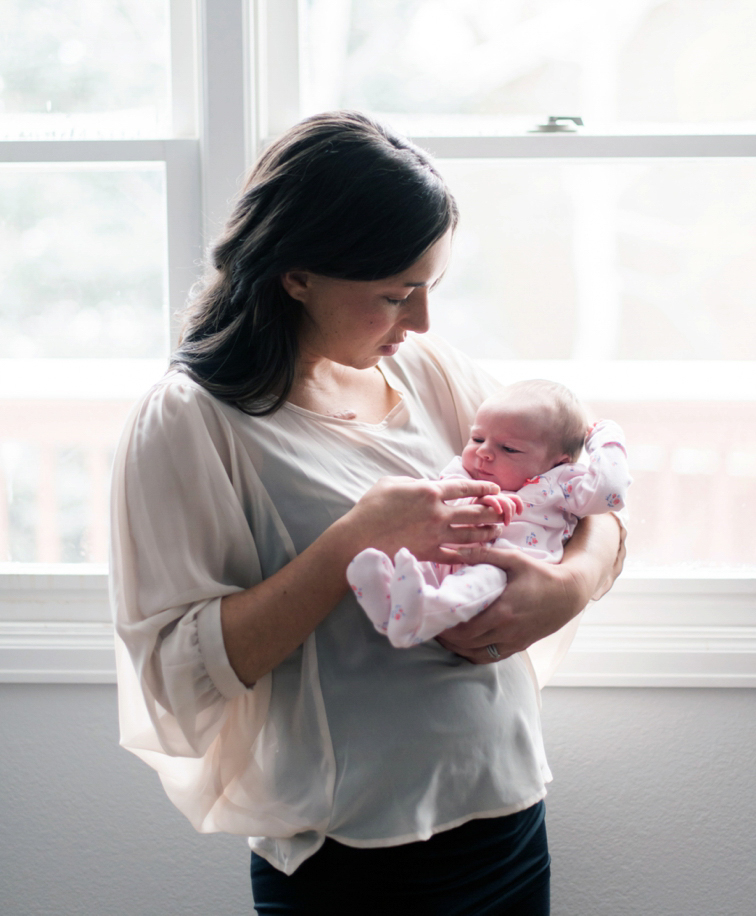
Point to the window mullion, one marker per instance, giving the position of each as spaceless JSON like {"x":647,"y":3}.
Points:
{"x":183,"y":56}
{"x":224,"y":116}
{"x":184,"y":226}
{"x":280,"y":23}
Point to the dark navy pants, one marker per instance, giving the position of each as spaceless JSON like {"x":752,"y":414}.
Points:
{"x":487,"y":867}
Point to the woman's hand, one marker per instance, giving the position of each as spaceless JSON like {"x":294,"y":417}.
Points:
{"x":540,"y":598}
{"x":403,"y":512}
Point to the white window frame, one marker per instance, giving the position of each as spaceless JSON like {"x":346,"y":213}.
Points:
{"x":650,"y":630}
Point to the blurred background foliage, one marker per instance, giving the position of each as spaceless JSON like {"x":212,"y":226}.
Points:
{"x":82,"y":262}
{"x":85,"y":57}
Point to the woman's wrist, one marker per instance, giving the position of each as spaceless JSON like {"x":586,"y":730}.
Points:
{"x":351,"y":534}
{"x":593,"y":557}
{"x":583,"y":575}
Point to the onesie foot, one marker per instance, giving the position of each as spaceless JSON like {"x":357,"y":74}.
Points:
{"x":369,"y":574}
{"x":421,"y":611}
{"x":407,"y":593}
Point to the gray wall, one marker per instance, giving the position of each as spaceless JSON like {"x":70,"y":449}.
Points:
{"x":652,"y":811}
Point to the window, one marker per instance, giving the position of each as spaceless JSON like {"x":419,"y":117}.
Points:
{"x":118,"y":155}
{"x":614,"y":256}
{"x":88,"y":157}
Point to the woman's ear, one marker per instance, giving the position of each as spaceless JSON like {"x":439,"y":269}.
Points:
{"x":297,"y":284}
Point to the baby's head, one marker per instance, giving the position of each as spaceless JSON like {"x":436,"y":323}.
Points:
{"x":523,"y":431}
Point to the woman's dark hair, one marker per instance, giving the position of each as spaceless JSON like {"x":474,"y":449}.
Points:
{"x":338,"y":195}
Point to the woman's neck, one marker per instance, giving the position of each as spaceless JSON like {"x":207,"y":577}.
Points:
{"x":334,"y":390}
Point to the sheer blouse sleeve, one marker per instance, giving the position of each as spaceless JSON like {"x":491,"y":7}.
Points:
{"x":180,"y":542}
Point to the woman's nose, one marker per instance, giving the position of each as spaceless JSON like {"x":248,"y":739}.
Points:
{"x":417,"y":318}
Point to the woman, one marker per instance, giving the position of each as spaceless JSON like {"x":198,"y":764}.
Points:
{"x":301,"y":426}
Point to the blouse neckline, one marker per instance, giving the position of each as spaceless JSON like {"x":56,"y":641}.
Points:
{"x":398,"y":411}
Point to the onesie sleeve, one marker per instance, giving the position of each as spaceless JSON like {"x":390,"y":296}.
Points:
{"x":602,"y":486}
{"x":180,"y":542}
{"x":454,"y":469}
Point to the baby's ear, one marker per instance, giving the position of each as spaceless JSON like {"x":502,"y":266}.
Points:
{"x":565,"y":459}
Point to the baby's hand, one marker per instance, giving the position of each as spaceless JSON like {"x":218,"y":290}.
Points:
{"x":508,"y":506}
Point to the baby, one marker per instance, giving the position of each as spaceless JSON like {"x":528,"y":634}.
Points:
{"x":526,"y":439}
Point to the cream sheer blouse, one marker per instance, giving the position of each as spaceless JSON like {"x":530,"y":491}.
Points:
{"x":348,"y":737}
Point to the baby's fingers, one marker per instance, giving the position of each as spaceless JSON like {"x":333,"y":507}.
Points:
{"x":514,"y":507}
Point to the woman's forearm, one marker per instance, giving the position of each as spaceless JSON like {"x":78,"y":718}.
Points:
{"x":594,"y":555}
{"x":264,"y":624}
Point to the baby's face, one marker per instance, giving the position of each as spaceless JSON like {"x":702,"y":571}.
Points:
{"x":509,"y":446}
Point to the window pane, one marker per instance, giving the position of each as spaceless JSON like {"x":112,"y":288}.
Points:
{"x":83,"y":261}
{"x":59,"y":424}
{"x":83,"y":331}
{"x":694,"y":481}
{"x":467,"y":65}
{"x":84,"y":68}
{"x":632,"y":282}
{"x":636,"y":260}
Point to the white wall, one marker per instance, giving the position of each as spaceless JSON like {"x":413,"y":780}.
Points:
{"x":652,"y":811}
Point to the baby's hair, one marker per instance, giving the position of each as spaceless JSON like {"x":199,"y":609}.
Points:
{"x":568,"y":421}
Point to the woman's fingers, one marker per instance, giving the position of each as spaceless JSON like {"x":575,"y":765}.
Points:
{"x":478,"y":534}
{"x":506,"y":558}
{"x":537,"y":600}
{"x":477,"y":656}
{"x":483,"y":630}
{"x":460,"y":487}
{"x":417,"y":514}
{"x":475,"y":514}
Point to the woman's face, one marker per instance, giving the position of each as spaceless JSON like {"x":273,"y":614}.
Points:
{"x":356,"y":322}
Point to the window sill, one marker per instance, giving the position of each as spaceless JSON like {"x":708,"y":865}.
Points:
{"x":666,"y":632}
{"x":660,"y":631}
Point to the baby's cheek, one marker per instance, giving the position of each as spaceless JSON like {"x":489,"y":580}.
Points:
{"x":467,"y":462}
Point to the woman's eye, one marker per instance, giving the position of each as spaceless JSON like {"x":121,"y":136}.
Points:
{"x":395,"y":301}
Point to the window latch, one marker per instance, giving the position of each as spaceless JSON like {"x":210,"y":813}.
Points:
{"x":554,"y":126}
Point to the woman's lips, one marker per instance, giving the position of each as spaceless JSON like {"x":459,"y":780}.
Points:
{"x":390,"y":349}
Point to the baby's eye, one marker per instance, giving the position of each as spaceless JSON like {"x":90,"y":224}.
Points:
{"x":476,"y":441}
{"x":510,"y":451}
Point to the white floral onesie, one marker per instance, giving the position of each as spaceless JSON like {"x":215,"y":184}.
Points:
{"x":411,"y":601}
